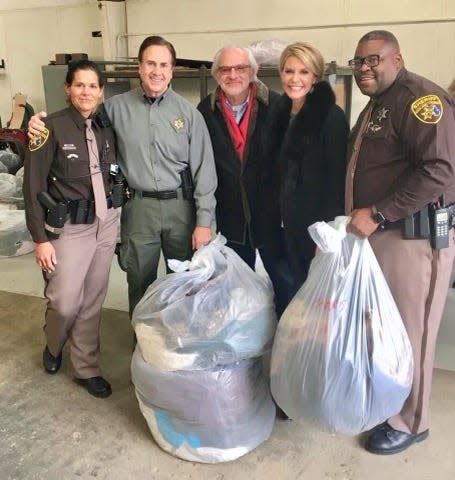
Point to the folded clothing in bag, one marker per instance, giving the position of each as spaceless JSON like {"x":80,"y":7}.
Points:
{"x":205,"y":415}
{"x":214,"y":311}
{"x":341,"y":356}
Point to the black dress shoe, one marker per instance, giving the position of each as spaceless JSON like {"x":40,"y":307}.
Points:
{"x":385,"y":440}
{"x":51,"y":364}
{"x":96,"y":386}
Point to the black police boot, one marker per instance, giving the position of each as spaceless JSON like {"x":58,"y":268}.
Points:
{"x":96,"y":386}
{"x":51,"y":364}
{"x":385,"y":440}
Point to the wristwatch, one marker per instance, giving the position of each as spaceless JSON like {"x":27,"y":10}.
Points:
{"x":377,"y":216}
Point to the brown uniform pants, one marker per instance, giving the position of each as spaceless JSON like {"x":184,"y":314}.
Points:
{"x":76,"y":291}
{"x":418,"y":277}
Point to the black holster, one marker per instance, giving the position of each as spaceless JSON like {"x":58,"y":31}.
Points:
{"x":56,"y":214}
{"x":187,"y":184}
{"x":119,"y":193}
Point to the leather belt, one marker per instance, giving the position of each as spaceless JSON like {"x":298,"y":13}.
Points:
{"x":160,"y":195}
{"x":392,"y":225}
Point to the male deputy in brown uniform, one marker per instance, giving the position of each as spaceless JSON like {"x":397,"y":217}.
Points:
{"x":402,"y":161}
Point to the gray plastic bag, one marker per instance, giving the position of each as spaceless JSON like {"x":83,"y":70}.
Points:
{"x":206,"y":416}
{"x":214,"y":311}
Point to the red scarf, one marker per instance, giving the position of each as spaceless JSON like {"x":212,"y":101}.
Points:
{"x":239,"y":133}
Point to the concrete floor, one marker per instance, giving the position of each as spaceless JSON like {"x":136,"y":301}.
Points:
{"x":50,"y":428}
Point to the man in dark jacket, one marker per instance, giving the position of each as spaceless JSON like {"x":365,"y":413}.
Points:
{"x":235,"y":113}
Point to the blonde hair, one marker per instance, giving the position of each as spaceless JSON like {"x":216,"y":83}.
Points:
{"x":308,"y":54}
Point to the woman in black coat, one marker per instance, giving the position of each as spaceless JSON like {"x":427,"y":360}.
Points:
{"x":306,"y":145}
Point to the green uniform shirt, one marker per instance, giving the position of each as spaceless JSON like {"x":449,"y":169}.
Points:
{"x":156,"y":141}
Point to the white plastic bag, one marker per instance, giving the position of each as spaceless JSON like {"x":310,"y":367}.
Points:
{"x":341,"y":355}
{"x":268,"y":52}
{"x":215,"y":311}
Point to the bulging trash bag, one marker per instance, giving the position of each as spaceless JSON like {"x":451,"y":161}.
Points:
{"x":215,"y":310}
{"x":207,"y":416}
{"x":15,"y":239}
{"x":341,"y":355}
{"x":8,"y":185}
{"x":268,"y":52}
{"x":11,"y":191}
{"x":12,"y":161}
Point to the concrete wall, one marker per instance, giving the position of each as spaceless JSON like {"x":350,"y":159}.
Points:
{"x":197,"y":28}
{"x":31,"y":34}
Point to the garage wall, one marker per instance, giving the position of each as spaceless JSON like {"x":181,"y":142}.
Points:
{"x":32,"y":34}
{"x":197,"y":28}
{"x":5,"y":88}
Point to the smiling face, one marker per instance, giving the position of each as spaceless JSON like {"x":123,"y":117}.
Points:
{"x":155,"y":70}
{"x":234,"y":82}
{"x":297,"y":80}
{"x":85,"y":91}
{"x":373,"y":81}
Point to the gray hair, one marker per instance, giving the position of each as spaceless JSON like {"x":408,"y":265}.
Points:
{"x":251,"y":60}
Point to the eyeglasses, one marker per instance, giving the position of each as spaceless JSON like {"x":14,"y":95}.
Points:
{"x":226,"y":70}
{"x":370,"y":61}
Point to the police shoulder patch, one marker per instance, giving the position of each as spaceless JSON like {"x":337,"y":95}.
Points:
{"x":428,"y":109}
{"x":38,"y":141}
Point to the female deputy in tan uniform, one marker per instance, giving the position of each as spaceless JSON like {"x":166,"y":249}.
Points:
{"x":69,"y":184}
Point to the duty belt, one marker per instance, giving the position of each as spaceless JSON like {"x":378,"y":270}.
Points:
{"x":400,"y":223}
{"x":83,"y":211}
{"x":392,"y":225}
{"x":73,"y":204}
{"x":160,"y":195}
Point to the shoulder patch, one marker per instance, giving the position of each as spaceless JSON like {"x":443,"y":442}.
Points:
{"x":428,"y":109}
{"x":38,"y":141}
